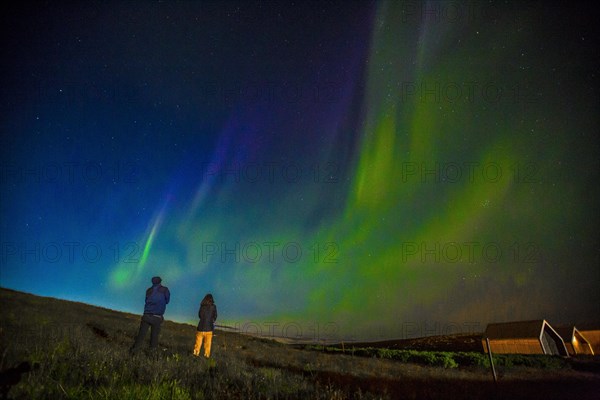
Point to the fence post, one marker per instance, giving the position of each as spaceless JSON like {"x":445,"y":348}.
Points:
{"x":489,"y":351}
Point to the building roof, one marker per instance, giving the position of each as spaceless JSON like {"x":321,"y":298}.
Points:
{"x":565,"y":332}
{"x":568,"y":332}
{"x":588,"y":326}
{"x":516,"y":330}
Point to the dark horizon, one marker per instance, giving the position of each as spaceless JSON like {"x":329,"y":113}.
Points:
{"x":245,"y":328}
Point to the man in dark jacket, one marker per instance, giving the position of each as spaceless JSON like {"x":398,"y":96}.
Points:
{"x":157,"y":298}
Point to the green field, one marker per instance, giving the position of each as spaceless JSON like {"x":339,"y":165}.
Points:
{"x":77,"y":351}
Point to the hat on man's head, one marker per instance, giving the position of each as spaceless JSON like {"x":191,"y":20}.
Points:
{"x":156,"y":280}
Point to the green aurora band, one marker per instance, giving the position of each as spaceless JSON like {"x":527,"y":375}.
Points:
{"x":466,"y":201}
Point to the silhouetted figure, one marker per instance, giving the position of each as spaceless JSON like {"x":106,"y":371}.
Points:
{"x":157,"y":298}
{"x":12,"y":376}
{"x":204,"y":333}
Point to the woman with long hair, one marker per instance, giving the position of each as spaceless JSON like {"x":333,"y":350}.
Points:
{"x":208,"y":315}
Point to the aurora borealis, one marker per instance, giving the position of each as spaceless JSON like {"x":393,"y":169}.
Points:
{"x":360,"y":170}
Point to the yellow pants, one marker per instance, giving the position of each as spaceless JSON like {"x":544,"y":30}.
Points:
{"x":207,"y":338}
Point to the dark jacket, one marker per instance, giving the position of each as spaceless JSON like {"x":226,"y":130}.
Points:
{"x":157,"y":298}
{"x":208,"y":315}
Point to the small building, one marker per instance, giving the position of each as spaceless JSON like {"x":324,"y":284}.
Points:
{"x":575,"y":341}
{"x":592,"y":334}
{"x":524,"y":337}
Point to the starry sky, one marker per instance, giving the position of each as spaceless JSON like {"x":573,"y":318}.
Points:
{"x":357,"y":170}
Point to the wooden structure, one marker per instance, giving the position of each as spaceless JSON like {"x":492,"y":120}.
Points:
{"x":524,"y":337}
{"x":592,"y":334}
{"x":575,"y":342}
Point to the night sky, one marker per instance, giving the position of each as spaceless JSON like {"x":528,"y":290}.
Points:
{"x":357,"y":170}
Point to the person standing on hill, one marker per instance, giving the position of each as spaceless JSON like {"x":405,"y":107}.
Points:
{"x":157,"y":298}
{"x":204,"y":333}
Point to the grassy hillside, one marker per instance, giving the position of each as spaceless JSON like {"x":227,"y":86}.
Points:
{"x":54,"y":349}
